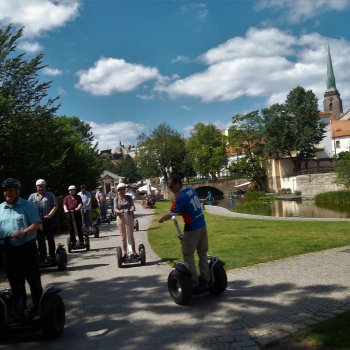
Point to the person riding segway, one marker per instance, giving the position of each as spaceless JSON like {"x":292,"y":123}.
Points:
{"x":194,"y":238}
{"x":72,"y":205}
{"x":19,"y":222}
{"x":124,"y":208}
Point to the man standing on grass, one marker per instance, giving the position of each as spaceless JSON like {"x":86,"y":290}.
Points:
{"x":195,"y":237}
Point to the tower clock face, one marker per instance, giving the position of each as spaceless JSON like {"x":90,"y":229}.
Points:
{"x":330,"y":98}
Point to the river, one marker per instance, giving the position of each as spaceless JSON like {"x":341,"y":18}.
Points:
{"x":291,"y":208}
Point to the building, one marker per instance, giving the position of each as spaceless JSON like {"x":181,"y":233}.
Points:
{"x":315,"y":174}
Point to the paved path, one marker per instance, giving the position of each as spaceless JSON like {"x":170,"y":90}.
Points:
{"x":130,"y":308}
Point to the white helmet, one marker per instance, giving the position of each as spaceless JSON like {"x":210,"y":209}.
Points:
{"x":40,"y":182}
{"x":72,"y":187}
{"x":121,"y":185}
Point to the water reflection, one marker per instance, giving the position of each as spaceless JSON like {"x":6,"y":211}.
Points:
{"x":289,"y":208}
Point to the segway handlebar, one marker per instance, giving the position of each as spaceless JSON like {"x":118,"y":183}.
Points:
{"x":177,"y":227}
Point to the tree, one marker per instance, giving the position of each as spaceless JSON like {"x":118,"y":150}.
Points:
{"x":35,"y":143}
{"x":206,"y":149}
{"x":245,"y":139}
{"x":342,"y":169}
{"x":293,"y":127}
{"x":127,"y":168}
{"x":163,"y":147}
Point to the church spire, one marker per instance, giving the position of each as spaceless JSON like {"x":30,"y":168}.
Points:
{"x":332,"y":102}
{"x":330,"y":74}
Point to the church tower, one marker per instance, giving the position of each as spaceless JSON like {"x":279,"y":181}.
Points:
{"x":332,"y":102}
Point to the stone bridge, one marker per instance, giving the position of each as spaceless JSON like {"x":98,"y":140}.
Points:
{"x":218,"y":188}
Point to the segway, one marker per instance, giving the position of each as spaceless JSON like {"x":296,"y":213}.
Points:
{"x":129,"y":258}
{"x":179,"y":280}
{"x":89,"y":229}
{"x":77,"y":246}
{"x":50,"y":319}
{"x":61,"y":259}
{"x":103,"y":218}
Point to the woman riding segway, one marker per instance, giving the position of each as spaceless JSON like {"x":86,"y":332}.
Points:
{"x":124,"y":208}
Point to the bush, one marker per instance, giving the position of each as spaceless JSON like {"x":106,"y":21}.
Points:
{"x":253,"y":195}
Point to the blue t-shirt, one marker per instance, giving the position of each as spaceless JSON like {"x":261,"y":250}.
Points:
{"x":17,"y":217}
{"x":85,"y":198}
{"x":188,"y":205}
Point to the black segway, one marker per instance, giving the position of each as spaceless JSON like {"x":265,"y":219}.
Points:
{"x":61,"y":259}
{"x":77,"y":246}
{"x":50,"y":319}
{"x":180,"y":283}
{"x":89,"y":229}
{"x":129,"y":258}
{"x":103,"y":218}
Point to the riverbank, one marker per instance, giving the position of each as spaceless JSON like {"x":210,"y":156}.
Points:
{"x":216,"y":210}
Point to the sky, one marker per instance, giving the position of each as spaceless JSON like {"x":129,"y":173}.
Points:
{"x":126,"y":66}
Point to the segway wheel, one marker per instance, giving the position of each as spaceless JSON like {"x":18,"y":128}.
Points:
{"x":61,"y":259}
{"x":69,"y":245}
{"x":96,"y":230}
{"x":180,"y":287}
{"x":4,"y":331}
{"x":53,"y":316}
{"x":108,"y":221}
{"x":142,"y":253}
{"x":136,"y":225}
{"x":119,"y":257}
{"x":220,"y":283}
{"x":87,"y":243}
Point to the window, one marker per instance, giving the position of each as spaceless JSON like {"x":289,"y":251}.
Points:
{"x":337,"y":144}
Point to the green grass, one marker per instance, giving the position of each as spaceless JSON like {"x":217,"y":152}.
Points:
{"x":333,"y":334}
{"x":246,"y":242}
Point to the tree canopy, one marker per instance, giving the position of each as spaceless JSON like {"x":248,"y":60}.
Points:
{"x":293,"y":128}
{"x":206,"y":149}
{"x":35,"y":142}
{"x":164,"y":147}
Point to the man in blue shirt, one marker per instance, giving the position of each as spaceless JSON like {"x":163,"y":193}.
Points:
{"x":195,"y":237}
{"x":46,"y":204}
{"x":86,"y":209}
{"x":19,"y":222}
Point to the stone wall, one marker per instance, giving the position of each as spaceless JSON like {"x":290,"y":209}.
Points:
{"x":312,"y":184}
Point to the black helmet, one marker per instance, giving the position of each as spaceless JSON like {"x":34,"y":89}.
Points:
{"x":82,"y":186}
{"x":10,"y":182}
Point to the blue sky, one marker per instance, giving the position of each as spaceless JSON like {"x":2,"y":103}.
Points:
{"x":126,"y":66}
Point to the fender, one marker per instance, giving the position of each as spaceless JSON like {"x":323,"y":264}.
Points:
{"x":48,"y":291}
{"x":215,"y":263}
{"x":183,"y":268}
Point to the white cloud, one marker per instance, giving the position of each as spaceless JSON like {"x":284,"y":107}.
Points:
{"x":51,"y":71}
{"x":180,"y":59}
{"x":200,"y":11}
{"x":109,"y":75}
{"x":300,"y":10}
{"x":265,"y":63}
{"x":109,"y":136}
{"x":38,"y":15}
{"x":31,"y":47}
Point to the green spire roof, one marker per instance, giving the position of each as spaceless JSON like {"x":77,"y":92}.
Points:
{"x":330,"y":74}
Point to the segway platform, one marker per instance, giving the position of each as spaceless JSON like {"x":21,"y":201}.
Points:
{"x":61,"y":259}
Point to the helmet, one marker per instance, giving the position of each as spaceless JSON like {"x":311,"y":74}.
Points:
{"x":40,"y":182}
{"x":72,"y":187}
{"x":100,"y":186}
{"x":82,"y":186}
{"x":10,"y":182}
{"x":121,"y":185}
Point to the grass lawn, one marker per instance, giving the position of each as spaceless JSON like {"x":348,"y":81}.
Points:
{"x":244,"y":242}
